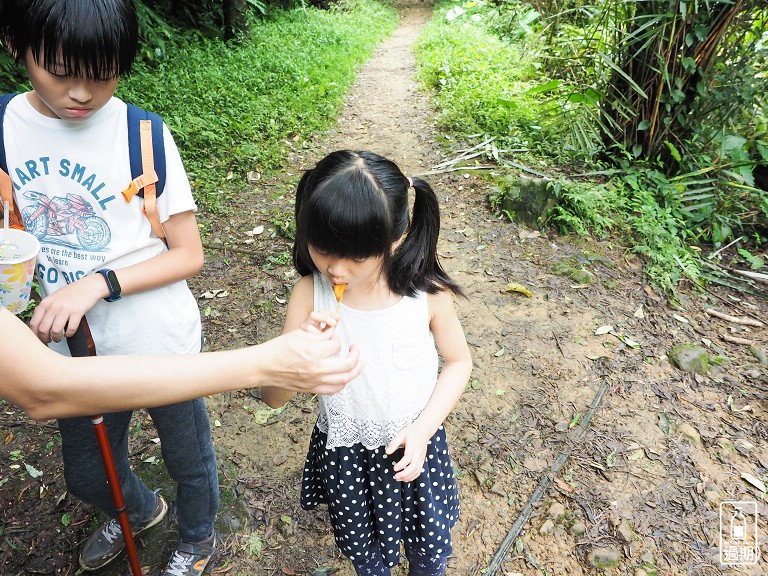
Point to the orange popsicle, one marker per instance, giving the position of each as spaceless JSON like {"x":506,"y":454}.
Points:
{"x":338,"y":291}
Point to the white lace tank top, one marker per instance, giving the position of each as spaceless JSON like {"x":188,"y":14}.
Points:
{"x":399,"y":374}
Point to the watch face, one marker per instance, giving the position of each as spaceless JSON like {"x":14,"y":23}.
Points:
{"x":112,"y":284}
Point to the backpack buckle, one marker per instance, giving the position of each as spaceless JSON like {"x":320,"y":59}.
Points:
{"x":138,"y":183}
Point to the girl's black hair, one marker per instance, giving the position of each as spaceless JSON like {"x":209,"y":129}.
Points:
{"x":94,"y":39}
{"x":355,"y":205}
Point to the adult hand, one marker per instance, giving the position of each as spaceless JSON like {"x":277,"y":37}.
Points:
{"x":306,"y":360}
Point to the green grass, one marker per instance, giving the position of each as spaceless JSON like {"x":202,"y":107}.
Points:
{"x":234,"y":107}
{"x":487,"y":86}
{"x":480,"y":81}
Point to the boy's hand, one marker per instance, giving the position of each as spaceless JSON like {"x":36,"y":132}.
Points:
{"x":59,"y":314}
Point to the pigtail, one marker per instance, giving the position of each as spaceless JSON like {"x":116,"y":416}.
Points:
{"x":301,"y":260}
{"x":415,"y":265}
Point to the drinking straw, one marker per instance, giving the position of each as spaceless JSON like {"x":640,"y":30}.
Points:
{"x":5,"y":219}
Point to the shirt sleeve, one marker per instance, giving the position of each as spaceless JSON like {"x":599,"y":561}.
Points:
{"x":177,"y":195}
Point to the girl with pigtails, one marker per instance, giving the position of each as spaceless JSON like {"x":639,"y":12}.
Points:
{"x":378,"y":455}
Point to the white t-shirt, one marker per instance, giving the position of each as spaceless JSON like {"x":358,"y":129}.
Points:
{"x":67,"y":179}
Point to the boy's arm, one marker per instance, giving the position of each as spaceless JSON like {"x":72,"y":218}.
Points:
{"x":60,"y":313}
{"x":299,"y":307}
{"x":183,"y":259}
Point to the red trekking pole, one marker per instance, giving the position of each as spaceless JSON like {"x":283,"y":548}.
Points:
{"x":81,"y":344}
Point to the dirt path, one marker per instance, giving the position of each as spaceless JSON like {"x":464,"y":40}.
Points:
{"x":639,"y":487}
{"x":632,"y":489}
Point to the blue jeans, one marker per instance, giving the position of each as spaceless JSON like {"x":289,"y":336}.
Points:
{"x":187,"y":448}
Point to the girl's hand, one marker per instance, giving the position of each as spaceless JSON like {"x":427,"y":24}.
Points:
{"x":320,"y":321}
{"x":59,"y":314}
{"x":413,"y":439}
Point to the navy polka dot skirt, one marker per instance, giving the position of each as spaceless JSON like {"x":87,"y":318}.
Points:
{"x":371,"y":511}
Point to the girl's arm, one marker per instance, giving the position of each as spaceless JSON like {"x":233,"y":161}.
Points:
{"x":453,"y":378}
{"x":49,"y":385}
{"x":65,"y":308}
{"x":300,"y":306}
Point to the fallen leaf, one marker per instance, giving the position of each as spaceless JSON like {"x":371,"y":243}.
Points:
{"x":528,"y":234}
{"x":323,"y":571}
{"x":519,"y":288}
{"x":564,"y":486}
{"x":262,"y":416}
{"x":217,"y":293}
{"x":603,"y":330}
{"x":651,"y":293}
{"x":32,"y":471}
{"x":664,"y":423}
{"x":629,"y":342}
{"x":756,"y":482}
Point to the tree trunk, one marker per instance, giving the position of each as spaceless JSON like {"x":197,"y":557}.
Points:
{"x":235,"y":21}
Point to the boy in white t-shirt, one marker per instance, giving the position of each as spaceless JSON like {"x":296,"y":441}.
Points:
{"x":67,"y":154}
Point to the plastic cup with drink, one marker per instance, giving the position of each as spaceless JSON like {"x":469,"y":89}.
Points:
{"x":18,"y":255}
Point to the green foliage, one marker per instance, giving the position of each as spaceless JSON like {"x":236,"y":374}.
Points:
{"x":585,"y":208}
{"x":671,"y":103}
{"x":12,"y":78}
{"x":236,"y":107}
{"x":629,"y":206}
{"x":482,"y":83}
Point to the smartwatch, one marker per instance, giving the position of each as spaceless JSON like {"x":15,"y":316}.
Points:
{"x":115,"y":292}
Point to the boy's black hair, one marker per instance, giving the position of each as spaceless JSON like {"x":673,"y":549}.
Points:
{"x":355,"y":205}
{"x":94,"y":39}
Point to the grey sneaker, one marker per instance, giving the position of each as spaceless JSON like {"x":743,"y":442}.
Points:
{"x":107,"y":542}
{"x":191,"y":559}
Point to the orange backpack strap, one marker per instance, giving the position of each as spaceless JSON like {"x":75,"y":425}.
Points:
{"x":6,"y":194}
{"x":147,"y":180}
{"x":6,"y":186}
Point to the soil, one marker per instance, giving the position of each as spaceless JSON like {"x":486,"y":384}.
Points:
{"x":579,"y":449}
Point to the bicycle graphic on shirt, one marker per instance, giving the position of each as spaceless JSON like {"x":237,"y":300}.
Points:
{"x":54,"y":219}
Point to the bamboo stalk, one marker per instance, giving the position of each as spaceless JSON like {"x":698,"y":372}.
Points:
{"x":736,"y":339}
{"x":735,"y":319}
